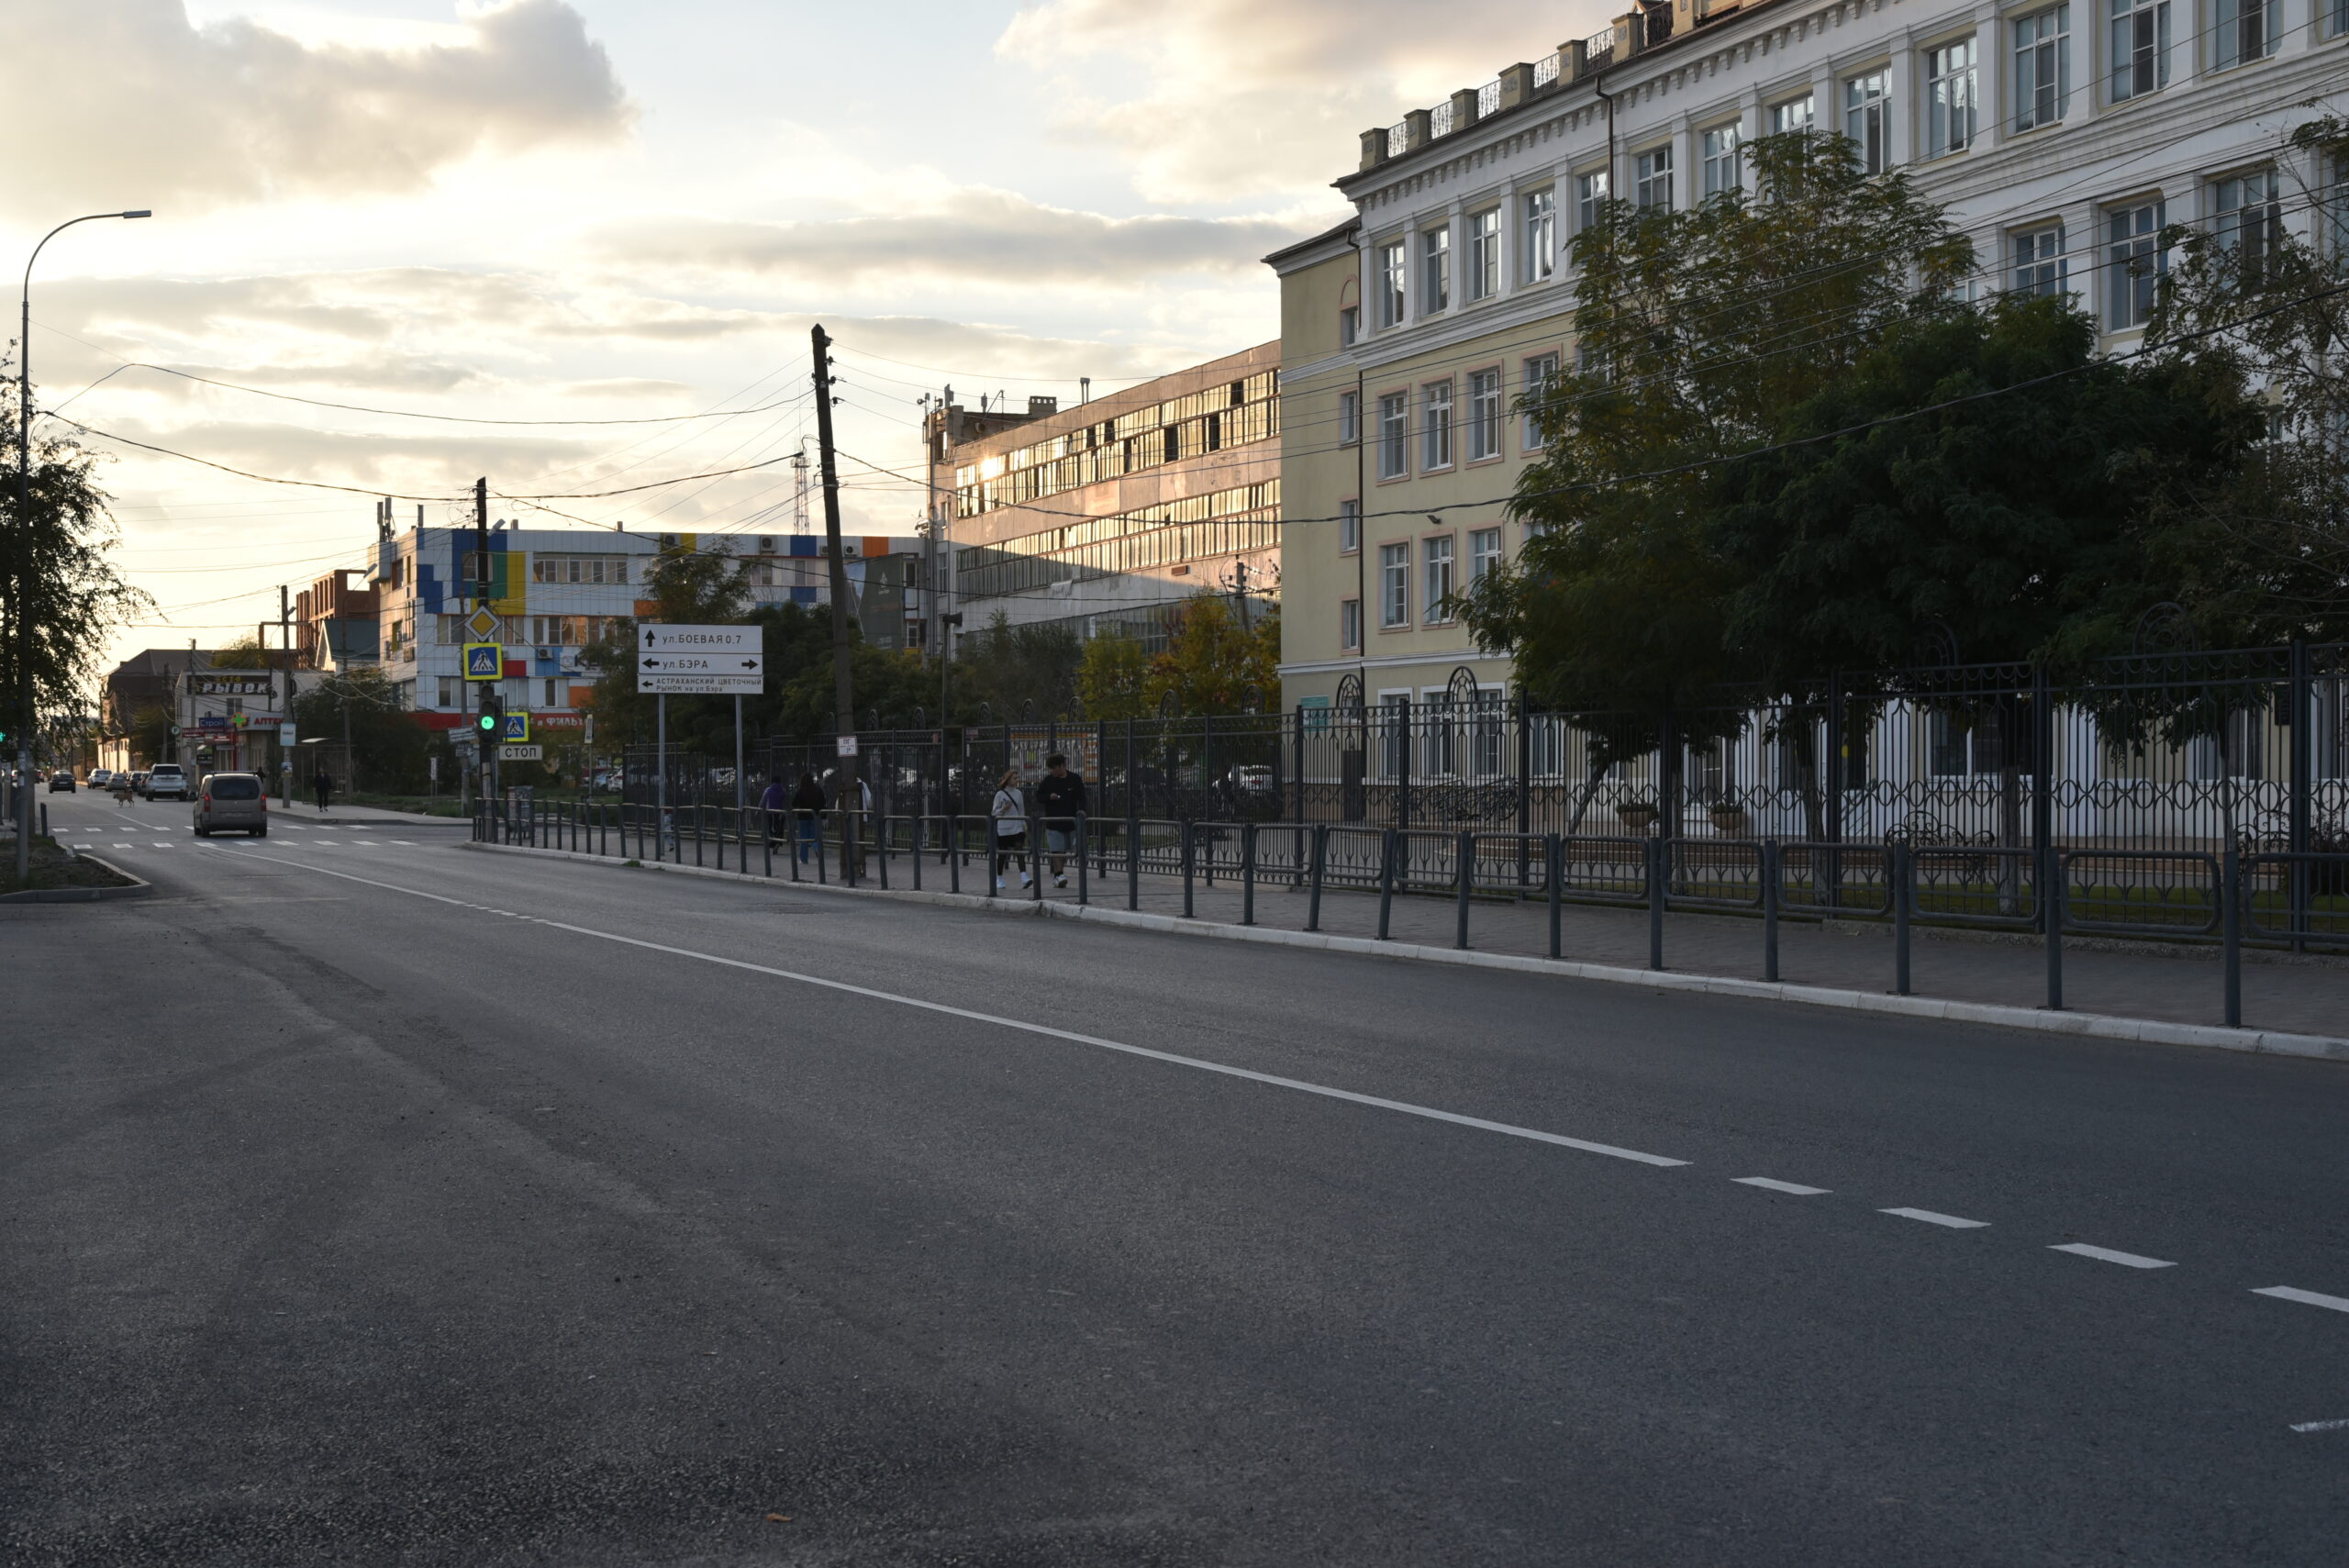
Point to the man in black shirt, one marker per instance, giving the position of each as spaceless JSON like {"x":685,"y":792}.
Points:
{"x":1059,"y":801}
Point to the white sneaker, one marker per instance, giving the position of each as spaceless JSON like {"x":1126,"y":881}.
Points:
{"x":1060,"y":882}
{"x":998,"y":884}
{"x":1027,"y":881}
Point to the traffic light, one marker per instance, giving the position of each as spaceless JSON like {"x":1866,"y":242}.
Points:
{"x":490,"y":722}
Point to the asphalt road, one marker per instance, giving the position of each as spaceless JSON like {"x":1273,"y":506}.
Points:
{"x":373,"y":1200}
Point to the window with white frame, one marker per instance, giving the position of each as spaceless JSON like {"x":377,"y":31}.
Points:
{"x":1349,"y":623}
{"x":1484,"y":275}
{"x":1541,"y":379}
{"x":2042,"y":67}
{"x":1795,"y":113}
{"x":2248,"y":216}
{"x":1349,"y":527}
{"x":1540,"y":212}
{"x":1348,"y":418}
{"x":1435,"y":270}
{"x":1394,"y":435}
{"x":1392,"y":281}
{"x":1394,"y":586}
{"x":1720,"y":159}
{"x":1435,"y":561}
{"x":1435,"y":424}
{"x":2245,"y":31}
{"x":2140,"y":47}
{"x":1590,"y":194}
{"x":1865,"y":98}
{"x":1484,"y":554}
{"x":1952,"y":105}
{"x":2038,"y":262}
{"x":2134,"y":264}
{"x":1652,"y":180}
{"x":1483,"y":415}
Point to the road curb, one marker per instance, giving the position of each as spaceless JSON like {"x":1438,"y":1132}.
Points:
{"x":139,"y":887}
{"x":2097,"y":1025}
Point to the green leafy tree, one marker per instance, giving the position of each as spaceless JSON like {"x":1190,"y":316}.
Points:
{"x":56,"y":583}
{"x":246,"y":654}
{"x":2264,"y":557}
{"x":387,"y":746}
{"x":1695,"y":332}
{"x":1113,"y":678}
{"x":1009,"y":668}
{"x":1212,"y":660}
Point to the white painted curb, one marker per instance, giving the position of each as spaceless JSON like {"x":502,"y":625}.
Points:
{"x":2101,"y":1026}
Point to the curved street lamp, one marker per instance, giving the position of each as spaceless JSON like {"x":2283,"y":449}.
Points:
{"x":24,"y":520}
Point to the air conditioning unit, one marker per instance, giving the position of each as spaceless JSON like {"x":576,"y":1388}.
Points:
{"x":766,"y":545}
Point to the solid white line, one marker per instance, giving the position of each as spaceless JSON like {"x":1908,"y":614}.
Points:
{"x":2307,"y":1297}
{"x":1929,"y":1217}
{"x":2107,"y":1255}
{"x":2318,"y":1426}
{"x":1779,"y":1186}
{"x":1273,"y":1080}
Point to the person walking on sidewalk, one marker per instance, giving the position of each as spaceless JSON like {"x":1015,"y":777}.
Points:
{"x":323,"y":782}
{"x":1010,"y":828}
{"x":1059,"y":801}
{"x":772,"y":801}
{"x":808,"y":806}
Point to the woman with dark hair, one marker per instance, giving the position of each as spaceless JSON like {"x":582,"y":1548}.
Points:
{"x":1010,"y":815}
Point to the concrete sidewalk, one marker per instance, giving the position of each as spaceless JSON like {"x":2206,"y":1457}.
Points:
{"x":2296,"y":1004}
{"x":300,"y":810}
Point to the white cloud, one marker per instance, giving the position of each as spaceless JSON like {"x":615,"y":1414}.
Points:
{"x":138,"y":106}
{"x":1240,"y":98}
{"x":969,"y":234}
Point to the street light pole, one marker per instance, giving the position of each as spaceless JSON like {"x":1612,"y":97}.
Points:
{"x":25,"y":523}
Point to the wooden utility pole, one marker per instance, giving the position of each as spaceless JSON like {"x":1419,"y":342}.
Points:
{"x":843,"y":689}
{"x":285,"y":648}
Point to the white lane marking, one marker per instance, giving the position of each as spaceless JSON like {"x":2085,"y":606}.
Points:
{"x":1778,"y":1187}
{"x":1300,"y":1085}
{"x":2318,"y":1426}
{"x":2107,"y":1255}
{"x":123,"y":846}
{"x":369,"y":843}
{"x":162,"y":846}
{"x":85,"y":845}
{"x":1929,"y":1217}
{"x":2307,"y":1297}
{"x":410,"y":842}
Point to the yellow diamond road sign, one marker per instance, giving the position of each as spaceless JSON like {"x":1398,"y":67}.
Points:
{"x":481,"y":624}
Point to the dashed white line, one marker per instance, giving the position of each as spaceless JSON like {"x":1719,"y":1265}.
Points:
{"x":1929,"y":1217}
{"x":122,"y":846}
{"x":2318,"y":1426}
{"x":410,"y":842}
{"x":2107,"y":1255}
{"x":2305,"y":1297}
{"x":369,"y":843}
{"x":1773,"y":1185}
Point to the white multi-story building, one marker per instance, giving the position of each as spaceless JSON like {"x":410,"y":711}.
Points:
{"x":2060,"y":137}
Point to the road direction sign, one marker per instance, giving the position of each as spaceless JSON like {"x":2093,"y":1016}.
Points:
{"x":484,"y":660}
{"x":654,"y":637}
{"x":682,"y":659}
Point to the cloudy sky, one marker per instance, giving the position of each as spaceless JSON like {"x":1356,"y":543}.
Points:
{"x":589,"y":210}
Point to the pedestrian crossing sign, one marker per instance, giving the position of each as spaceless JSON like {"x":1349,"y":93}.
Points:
{"x":517,"y":727}
{"x":484,"y":660}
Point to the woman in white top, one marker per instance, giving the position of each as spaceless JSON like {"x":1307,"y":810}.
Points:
{"x":1010,"y":814}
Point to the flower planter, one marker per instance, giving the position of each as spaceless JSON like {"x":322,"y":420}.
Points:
{"x":1730,"y":824}
{"x":1638,"y":816}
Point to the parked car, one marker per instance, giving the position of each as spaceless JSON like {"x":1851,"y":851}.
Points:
{"x":62,"y":779}
{"x":232,"y":801}
{"x":139,"y":783}
{"x":101,"y":778}
{"x":165,"y":781}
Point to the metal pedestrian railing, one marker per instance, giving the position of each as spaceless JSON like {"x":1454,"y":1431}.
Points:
{"x":2234,"y":900}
